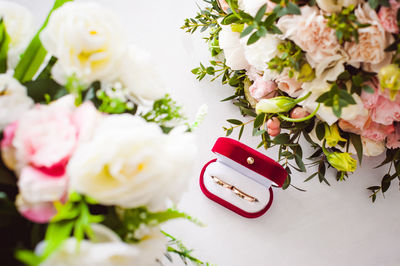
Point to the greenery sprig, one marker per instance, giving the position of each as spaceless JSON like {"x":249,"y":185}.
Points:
{"x":345,"y":24}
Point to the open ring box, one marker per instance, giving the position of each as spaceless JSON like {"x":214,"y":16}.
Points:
{"x":240,"y":178}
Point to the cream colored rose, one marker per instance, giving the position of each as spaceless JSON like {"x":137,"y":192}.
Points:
{"x":372,"y":148}
{"x":335,"y":5}
{"x":310,"y":32}
{"x":138,"y":78}
{"x":19,"y":26}
{"x":14,"y":100}
{"x":373,"y":40}
{"x":131,"y":163}
{"x":87,"y":40}
{"x":229,"y":41}
{"x":106,"y":249}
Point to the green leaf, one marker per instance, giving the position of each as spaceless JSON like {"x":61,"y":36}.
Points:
{"x":282,"y":138}
{"x":259,"y":120}
{"x":286,"y":184}
{"x":356,"y":140}
{"x":253,"y":38}
{"x":300,"y":163}
{"x":34,"y":55}
{"x":385,"y":184}
{"x":39,"y":88}
{"x":235,"y":121}
{"x":292,"y":8}
{"x":320,"y":131}
{"x":247,"y":31}
{"x":229,"y":19}
{"x":4,"y":44}
{"x":241,"y":132}
{"x":260,"y":13}
{"x":311,"y":177}
{"x":373,"y":3}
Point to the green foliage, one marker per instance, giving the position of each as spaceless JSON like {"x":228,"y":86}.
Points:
{"x":4,"y":43}
{"x":337,"y":98}
{"x":374,"y":4}
{"x":73,"y":217}
{"x":125,"y":222}
{"x":35,"y":54}
{"x":165,"y":112}
{"x":113,"y":105}
{"x":176,"y":246}
{"x":292,"y":58}
{"x":258,"y":27}
{"x":345,"y":24}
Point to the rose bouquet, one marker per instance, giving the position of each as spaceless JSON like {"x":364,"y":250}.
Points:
{"x":94,"y":153}
{"x":325,"y":70}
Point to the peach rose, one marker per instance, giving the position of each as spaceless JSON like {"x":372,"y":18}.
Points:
{"x":298,"y":112}
{"x":382,"y":109}
{"x":388,"y":17}
{"x":370,"y":50}
{"x":310,"y":32}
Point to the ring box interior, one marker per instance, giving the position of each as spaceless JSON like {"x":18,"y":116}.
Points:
{"x":246,"y":169}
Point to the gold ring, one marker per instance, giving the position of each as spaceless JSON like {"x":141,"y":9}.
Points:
{"x":234,"y":189}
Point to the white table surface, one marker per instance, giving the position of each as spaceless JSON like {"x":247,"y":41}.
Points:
{"x":335,"y":225}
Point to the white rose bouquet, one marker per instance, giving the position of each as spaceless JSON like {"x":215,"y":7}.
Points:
{"x":325,"y":70}
{"x":94,"y":154}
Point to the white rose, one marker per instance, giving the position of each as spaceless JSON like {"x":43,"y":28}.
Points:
{"x":106,"y":250}
{"x":229,"y":41}
{"x":19,"y":26}
{"x":131,"y":163}
{"x":372,"y":148}
{"x":138,"y":78}
{"x":14,"y":100}
{"x":332,"y":6}
{"x":88,"y":41}
{"x":262,"y":51}
{"x":251,"y":6}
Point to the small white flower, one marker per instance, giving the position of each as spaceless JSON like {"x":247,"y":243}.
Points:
{"x":14,"y":100}
{"x":131,"y":163}
{"x":19,"y":26}
{"x":106,"y":249}
{"x":88,"y":41}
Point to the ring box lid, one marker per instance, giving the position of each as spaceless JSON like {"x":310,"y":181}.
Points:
{"x":243,"y":158}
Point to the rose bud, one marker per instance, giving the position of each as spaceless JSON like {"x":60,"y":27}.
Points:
{"x":299,"y":112}
{"x":273,"y":126}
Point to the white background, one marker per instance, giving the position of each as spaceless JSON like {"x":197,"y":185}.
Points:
{"x":335,"y":225}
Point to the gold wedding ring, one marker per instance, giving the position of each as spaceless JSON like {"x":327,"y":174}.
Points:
{"x":234,"y":189}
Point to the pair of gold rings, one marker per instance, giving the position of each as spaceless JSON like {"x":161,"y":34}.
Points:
{"x":234,"y":189}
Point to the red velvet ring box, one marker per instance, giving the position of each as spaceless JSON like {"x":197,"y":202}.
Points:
{"x":246,"y":169}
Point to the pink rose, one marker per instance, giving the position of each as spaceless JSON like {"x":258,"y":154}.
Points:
{"x":40,"y":144}
{"x":373,"y":40}
{"x":262,"y":89}
{"x":289,"y":85}
{"x":388,"y":17}
{"x":377,"y":132}
{"x":382,"y":109}
{"x":273,"y":126}
{"x":310,"y":32}
{"x":393,"y":140}
{"x":37,"y":192}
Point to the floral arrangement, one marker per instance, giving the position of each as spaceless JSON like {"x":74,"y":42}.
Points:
{"x":325,"y":70}
{"x":94,"y":153}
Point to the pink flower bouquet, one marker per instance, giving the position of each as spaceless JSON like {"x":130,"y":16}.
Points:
{"x":325,"y":70}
